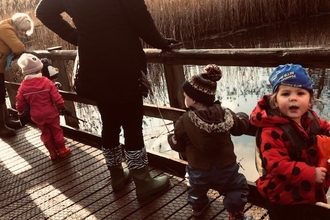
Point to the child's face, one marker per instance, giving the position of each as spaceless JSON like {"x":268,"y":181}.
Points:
{"x":293,"y":102}
{"x":188,"y":101}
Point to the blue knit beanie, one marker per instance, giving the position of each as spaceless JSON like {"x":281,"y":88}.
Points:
{"x":290,"y":75}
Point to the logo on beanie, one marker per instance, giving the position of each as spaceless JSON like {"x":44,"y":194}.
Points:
{"x":287,"y":76}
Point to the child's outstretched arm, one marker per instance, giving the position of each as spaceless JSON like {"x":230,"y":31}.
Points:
{"x":241,"y":123}
{"x":176,"y":140}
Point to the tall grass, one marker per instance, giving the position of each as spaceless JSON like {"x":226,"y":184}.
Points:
{"x":189,"y":20}
{"x":193,"y":19}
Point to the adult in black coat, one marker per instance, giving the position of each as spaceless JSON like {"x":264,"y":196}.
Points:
{"x":111,"y":61}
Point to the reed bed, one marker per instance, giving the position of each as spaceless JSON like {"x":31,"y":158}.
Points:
{"x":189,"y":20}
{"x":195,"y":19}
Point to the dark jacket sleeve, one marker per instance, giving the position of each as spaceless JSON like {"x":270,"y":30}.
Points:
{"x":49,"y":13}
{"x":176,"y":140}
{"x":241,"y":123}
{"x":141,"y":20}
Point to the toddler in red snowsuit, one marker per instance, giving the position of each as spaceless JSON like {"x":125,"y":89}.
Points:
{"x":45,"y":102}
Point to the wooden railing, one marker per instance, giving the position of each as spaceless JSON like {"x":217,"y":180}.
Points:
{"x":174,"y":74}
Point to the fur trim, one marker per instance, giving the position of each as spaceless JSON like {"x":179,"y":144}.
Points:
{"x":224,"y":126}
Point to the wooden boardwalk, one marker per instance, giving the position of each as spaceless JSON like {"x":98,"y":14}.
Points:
{"x":77,"y":187}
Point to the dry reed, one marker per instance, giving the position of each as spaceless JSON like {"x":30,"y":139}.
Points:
{"x":194,"y":19}
{"x":189,"y":20}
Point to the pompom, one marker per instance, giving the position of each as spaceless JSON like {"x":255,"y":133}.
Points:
{"x":213,"y":72}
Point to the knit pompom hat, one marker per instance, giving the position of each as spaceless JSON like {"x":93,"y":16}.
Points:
{"x":202,"y":87}
{"x":29,"y":63}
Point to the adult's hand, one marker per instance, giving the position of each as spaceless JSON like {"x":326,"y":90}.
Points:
{"x":172,"y":43}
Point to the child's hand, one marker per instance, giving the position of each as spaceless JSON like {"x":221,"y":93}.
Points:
{"x":320,"y":173}
{"x":65,"y":111}
{"x":171,"y":139}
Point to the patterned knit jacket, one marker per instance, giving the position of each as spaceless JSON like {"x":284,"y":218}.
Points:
{"x":287,"y":181}
{"x":205,"y":136}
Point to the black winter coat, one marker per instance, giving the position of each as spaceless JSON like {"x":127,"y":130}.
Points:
{"x":108,"y":35}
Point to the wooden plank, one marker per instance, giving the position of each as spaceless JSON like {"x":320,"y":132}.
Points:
{"x":132,"y":204}
{"x":162,"y":112}
{"x":162,"y":205}
{"x":32,"y":180}
{"x":74,"y":187}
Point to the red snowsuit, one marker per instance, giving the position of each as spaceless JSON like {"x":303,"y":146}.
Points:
{"x":44,"y":99}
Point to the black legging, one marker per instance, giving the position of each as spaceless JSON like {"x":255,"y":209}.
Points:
{"x":127,"y":116}
{"x":2,"y":88}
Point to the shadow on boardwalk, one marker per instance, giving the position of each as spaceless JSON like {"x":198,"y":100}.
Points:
{"x":34,"y":187}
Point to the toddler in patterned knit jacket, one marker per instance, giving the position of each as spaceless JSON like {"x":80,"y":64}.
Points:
{"x":204,"y":134}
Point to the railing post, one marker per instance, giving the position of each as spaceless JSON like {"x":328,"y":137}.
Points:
{"x":64,"y":80}
{"x":11,"y":93}
{"x":174,"y":75}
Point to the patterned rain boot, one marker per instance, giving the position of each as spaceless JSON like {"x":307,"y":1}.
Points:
{"x":119,"y":176}
{"x":145,"y":185}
